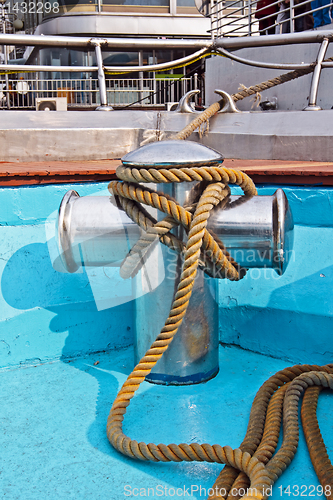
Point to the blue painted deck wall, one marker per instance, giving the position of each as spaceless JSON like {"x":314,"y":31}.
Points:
{"x":54,"y":414}
{"x":46,"y":315}
{"x":289,"y":317}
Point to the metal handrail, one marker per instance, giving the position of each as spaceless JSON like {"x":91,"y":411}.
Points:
{"x":106,"y":43}
{"x":116,"y":43}
{"x":97,"y":44}
{"x":227,"y":22}
{"x":258,"y":64}
{"x":204,"y":46}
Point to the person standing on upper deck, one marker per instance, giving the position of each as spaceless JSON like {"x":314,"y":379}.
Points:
{"x":323,"y":16}
{"x":264,"y":9}
{"x":283,"y":18}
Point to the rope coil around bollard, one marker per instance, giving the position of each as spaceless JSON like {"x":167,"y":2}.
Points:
{"x":252,"y":468}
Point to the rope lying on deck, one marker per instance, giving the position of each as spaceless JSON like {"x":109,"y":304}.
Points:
{"x":284,"y":403}
{"x":252,"y":465}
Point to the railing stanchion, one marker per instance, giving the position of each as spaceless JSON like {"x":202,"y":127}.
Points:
{"x":154,"y":90}
{"x":5,"y":53}
{"x":196,"y":87}
{"x":249,"y":16}
{"x":291,"y":15}
{"x":312,"y":106}
{"x":140,"y":77}
{"x":213,"y":20}
{"x":101,"y":80}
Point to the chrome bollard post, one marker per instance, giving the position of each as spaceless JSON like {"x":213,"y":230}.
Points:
{"x":257,"y":232}
{"x":192,"y":356}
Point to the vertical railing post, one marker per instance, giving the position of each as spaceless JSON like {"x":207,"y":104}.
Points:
{"x":7,"y":90}
{"x":312,"y":106}
{"x":212,"y":20}
{"x":5,"y":52}
{"x":101,"y":79}
{"x":219,"y":5}
{"x":249,"y":16}
{"x":173,"y":7}
{"x":154,"y":89}
{"x":171,"y":86}
{"x":37,"y":86}
{"x":220,"y":13}
{"x":140,"y":76}
{"x":291,"y":15}
{"x":196,"y":88}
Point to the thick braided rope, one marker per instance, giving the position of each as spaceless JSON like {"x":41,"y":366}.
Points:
{"x":216,"y":106}
{"x":216,"y":259}
{"x":135,"y":259}
{"x":143,"y":219}
{"x":210,"y":262}
{"x":199,"y":120}
{"x":264,"y":451}
{"x":209,"y":174}
{"x":286,"y":77}
{"x":284,"y":456}
{"x":224,"y":266}
{"x":227,"y":479}
{"x":273,"y":82}
{"x":290,"y":419}
{"x":152,"y":230}
{"x":261,"y":477}
{"x":315,"y":442}
{"x":212,"y":196}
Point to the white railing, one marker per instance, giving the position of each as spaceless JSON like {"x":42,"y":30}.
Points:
{"x":98,"y":44}
{"x":155,"y":87}
{"x":248,"y":17}
{"x":84,"y":93}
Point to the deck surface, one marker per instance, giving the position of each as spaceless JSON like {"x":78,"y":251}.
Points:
{"x":262,"y":171}
{"x":54,"y":446}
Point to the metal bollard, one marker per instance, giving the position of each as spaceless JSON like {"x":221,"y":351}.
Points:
{"x":257,"y":231}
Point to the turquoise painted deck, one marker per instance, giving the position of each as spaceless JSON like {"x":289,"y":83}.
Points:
{"x":54,"y":445}
{"x":54,"y":327}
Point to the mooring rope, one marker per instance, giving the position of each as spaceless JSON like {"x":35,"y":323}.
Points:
{"x":253,"y":464}
{"x":315,"y":442}
{"x":252,"y":469}
{"x":238,"y":96}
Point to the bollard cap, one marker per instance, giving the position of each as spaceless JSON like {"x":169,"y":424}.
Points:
{"x":168,"y":154}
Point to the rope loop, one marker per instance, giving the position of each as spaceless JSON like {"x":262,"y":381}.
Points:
{"x":251,"y":470}
{"x":210,"y":254}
